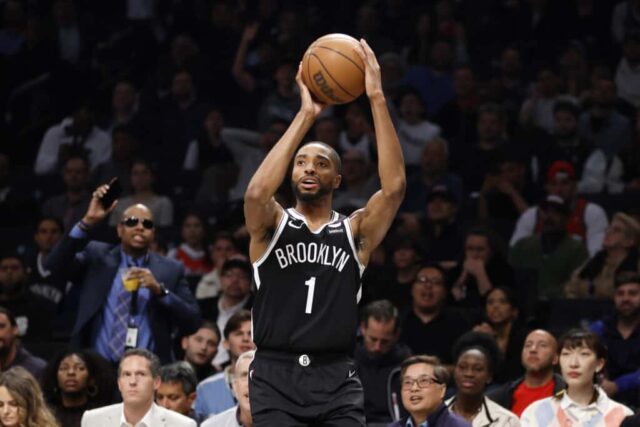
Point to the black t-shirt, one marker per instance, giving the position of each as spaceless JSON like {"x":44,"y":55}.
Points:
{"x":308,"y":288}
{"x":436,"y":337}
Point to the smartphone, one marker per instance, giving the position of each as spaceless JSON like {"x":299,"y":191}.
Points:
{"x":112,"y":194}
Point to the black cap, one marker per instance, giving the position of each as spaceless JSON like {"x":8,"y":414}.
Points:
{"x":443,"y":192}
{"x":240,"y":263}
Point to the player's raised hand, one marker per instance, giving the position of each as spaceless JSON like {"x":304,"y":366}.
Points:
{"x":308,"y":105}
{"x":372,"y":79}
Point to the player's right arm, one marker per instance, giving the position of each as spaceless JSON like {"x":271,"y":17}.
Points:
{"x":262,"y":213}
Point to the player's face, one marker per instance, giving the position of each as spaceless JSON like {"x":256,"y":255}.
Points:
{"x":136,"y":237}
{"x":47,"y":235}
{"x":471,"y":372}
{"x":421,"y":402}
{"x":627,"y":300}
{"x":379,"y":337}
{"x":201,"y":347}
{"x":171,"y":395}
{"x":315,"y":173}
{"x":539,"y":352}
{"x":428,"y":290}
{"x":241,"y":384}
{"x":135,"y":382}
{"x":240,"y":340}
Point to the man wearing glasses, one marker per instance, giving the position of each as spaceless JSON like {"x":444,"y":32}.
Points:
{"x":130,"y":297}
{"x":424,"y":384}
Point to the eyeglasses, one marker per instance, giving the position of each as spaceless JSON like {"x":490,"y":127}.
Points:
{"x":422,"y":280}
{"x":132,"y":221}
{"x":423,"y":382}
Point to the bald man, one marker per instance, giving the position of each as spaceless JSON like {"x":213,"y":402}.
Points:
{"x":539,"y":357}
{"x":111,"y":318}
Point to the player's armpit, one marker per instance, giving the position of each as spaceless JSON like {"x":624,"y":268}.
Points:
{"x":371,"y":223}
{"x":261,"y":220}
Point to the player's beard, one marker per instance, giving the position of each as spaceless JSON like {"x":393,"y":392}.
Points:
{"x":322,"y":191}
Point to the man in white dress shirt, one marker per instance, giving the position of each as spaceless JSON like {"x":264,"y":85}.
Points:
{"x":138,"y":379}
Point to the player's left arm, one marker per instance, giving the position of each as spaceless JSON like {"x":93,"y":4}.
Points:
{"x":371,"y":223}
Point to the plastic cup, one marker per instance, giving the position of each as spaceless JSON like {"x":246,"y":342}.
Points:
{"x":130,"y":282}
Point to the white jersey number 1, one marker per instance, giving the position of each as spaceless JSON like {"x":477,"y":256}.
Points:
{"x":311,"y":283}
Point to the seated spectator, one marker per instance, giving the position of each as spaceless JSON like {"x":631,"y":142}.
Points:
{"x":501,"y":322}
{"x":476,"y":358}
{"x":48,"y":232}
{"x":125,"y":147}
{"x":601,"y":174}
{"x":582,"y":357}
{"x":608,"y":129}
{"x":619,"y":253}
{"x":440,"y":231}
{"x":17,"y":207}
{"x":327,"y":129}
{"x":12,"y":353}
{"x":21,"y":400}
{"x":358,"y":132}
{"x":553,"y":253}
{"x":377,"y":353}
{"x":482,"y":268}
{"x":221,"y":249}
{"x":537,"y":110}
{"x":75,"y":381}
{"x":357,"y":185}
{"x":177,"y":389}
{"x":458,"y":117}
{"x":539,"y":358}
{"x":430,"y":327}
{"x":209,"y":149}
{"x":163,"y":301}
{"x":69,"y":206}
{"x":472,"y":163}
{"x":239,"y":415}
{"x":433,"y":173}
{"x":191,"y":252}
{"x":138,"y":380}
{"x":620,"y":333}
{"x":235,"y":295}
{"x":413,"y":128}
{"x":74,"y":135}
{"x":124,"y":107}
{"x":200,"y":348}
{"x":424,"y":384}
{"x":142,"y":181}
{"x":587,"y":221}
{"x":214,"y":395}
{"x":283,"y":102}
{"x":33,"y":313}
{"x":627,"y":74}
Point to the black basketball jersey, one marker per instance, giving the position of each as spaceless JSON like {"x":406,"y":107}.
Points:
{"x":308,"y":288}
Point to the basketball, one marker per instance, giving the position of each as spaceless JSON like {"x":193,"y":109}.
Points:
{"x":332,"y":69}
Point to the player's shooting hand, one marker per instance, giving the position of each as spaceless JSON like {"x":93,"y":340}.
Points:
{"x":307,"y":104}
{"x":96,"y":212}
{"x":372,"y":77}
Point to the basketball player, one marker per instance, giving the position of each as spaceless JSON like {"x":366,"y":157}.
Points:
{"x":308,"y":262}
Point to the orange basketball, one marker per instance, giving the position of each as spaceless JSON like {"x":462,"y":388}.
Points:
{"x":332,"y":69}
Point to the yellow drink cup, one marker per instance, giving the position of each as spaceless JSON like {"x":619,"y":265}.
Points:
{"x":130,"y":282}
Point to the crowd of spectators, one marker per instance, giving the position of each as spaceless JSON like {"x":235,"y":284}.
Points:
{"x":519,"y":121}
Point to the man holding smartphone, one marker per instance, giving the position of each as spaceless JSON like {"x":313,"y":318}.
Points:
{"x":111,"y":317}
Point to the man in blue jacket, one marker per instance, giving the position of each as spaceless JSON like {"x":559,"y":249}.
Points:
{"x":110,"y":318}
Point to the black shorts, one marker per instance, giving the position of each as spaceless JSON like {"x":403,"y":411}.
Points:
{"x":289,"y":390}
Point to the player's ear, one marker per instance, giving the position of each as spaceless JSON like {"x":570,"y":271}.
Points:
{"x":336,"y":181}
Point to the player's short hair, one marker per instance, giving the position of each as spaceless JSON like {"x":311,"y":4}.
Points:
{"x":180,"y":372}
{"x":333,"y":153}
{"x":154,"y":361}
{"x":382,"y":311}
{"x":440,"y":373}
{"x":235,"y":322}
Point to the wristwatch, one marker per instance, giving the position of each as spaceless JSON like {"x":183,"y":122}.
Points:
{"x":163,"y":291}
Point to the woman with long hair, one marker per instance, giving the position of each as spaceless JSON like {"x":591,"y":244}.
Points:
{"x":21,"y":402}
{"x":501,"y":322}
{"x":75,"y":381}
{"x":583,"y":402}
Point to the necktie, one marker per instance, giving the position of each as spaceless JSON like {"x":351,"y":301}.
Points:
{"x":119,"y":327}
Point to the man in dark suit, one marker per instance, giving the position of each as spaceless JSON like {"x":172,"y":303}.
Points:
{"x":107,"y":320}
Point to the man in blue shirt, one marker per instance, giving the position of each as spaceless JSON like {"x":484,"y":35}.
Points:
{"x":111,"y":317}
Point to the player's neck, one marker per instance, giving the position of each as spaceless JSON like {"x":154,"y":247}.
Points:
{"x":317,"y":212}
